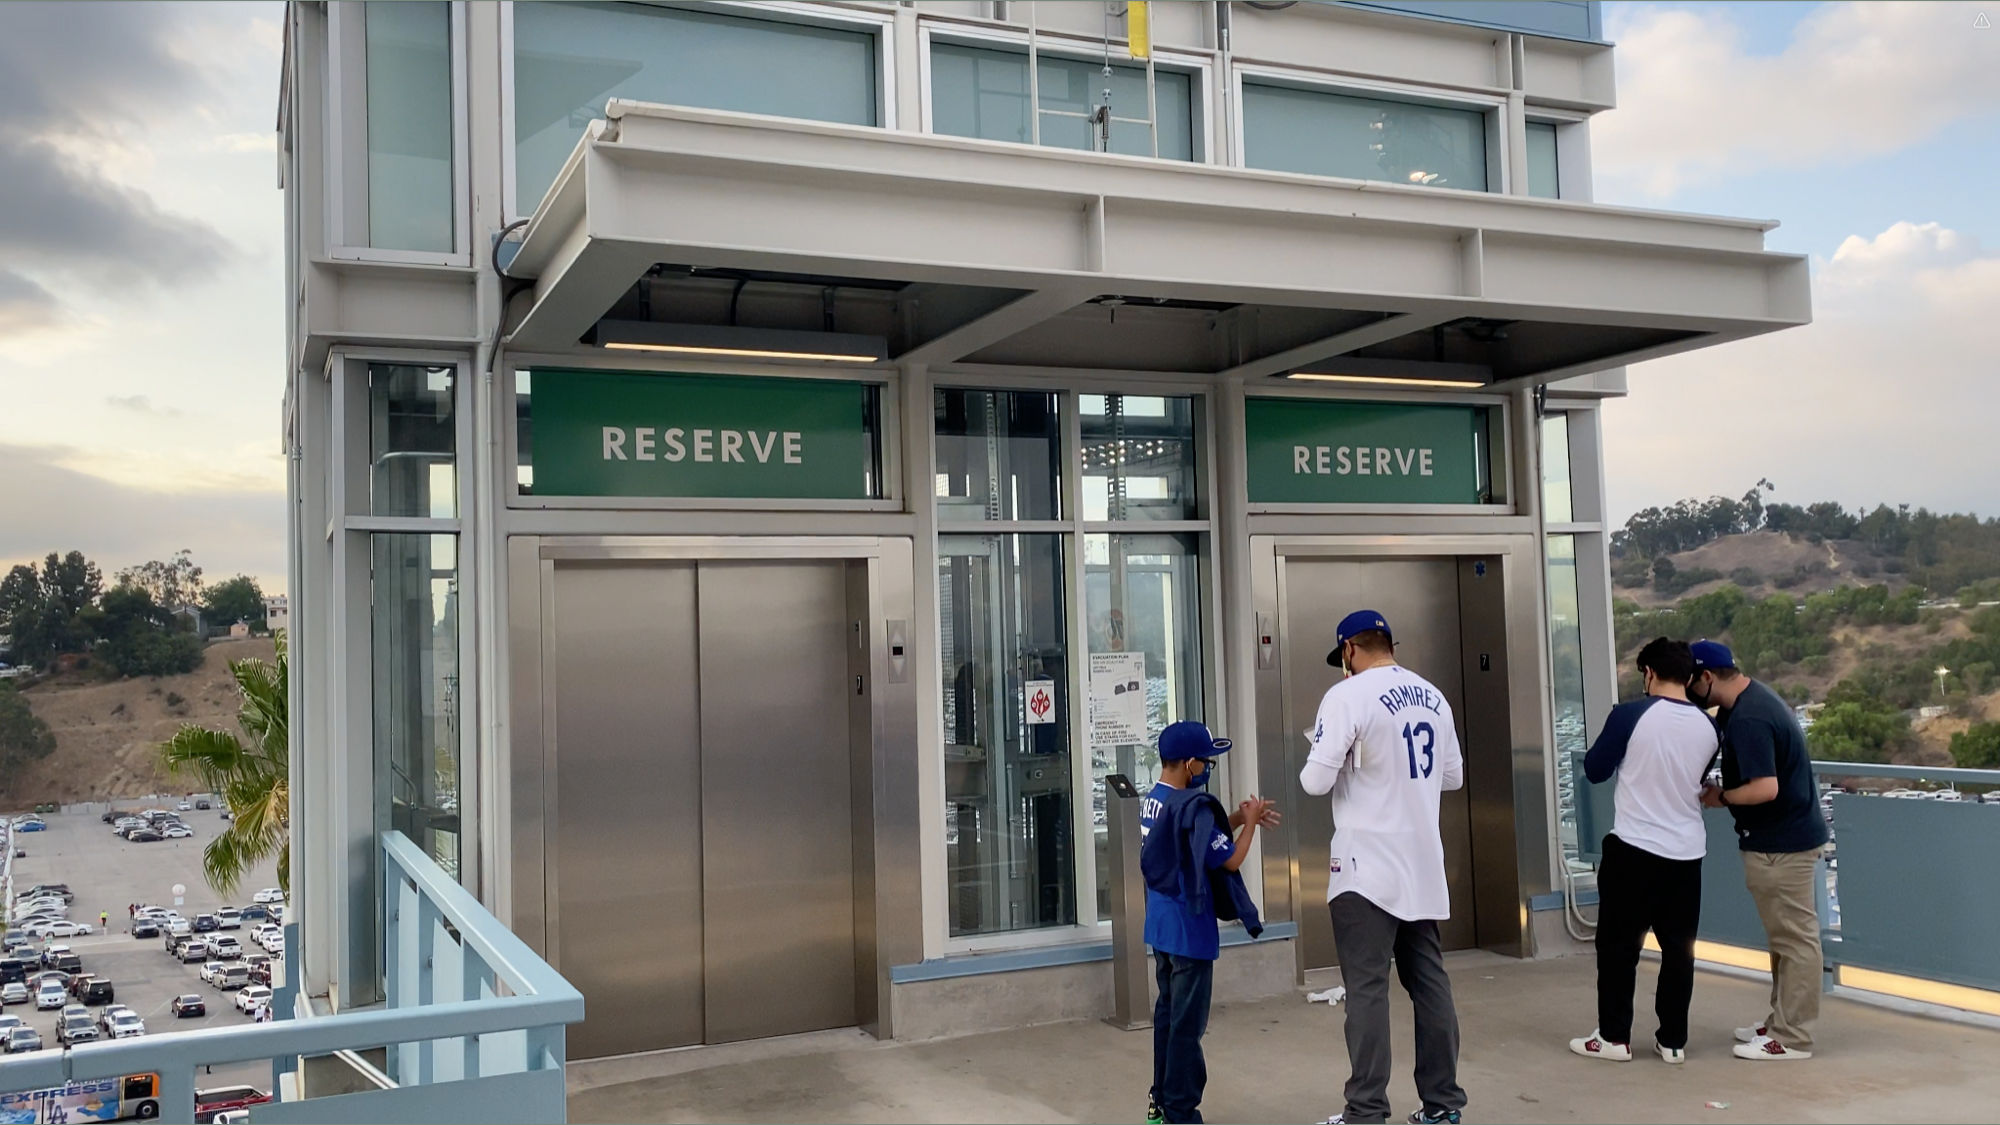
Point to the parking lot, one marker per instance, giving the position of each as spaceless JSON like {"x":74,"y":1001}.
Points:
{"x":107,"y":875}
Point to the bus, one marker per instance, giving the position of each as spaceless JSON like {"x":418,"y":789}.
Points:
{"x":101,"y":1099}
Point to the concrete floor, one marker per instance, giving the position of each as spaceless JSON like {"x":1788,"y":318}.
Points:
{"x":1285,"y":1060}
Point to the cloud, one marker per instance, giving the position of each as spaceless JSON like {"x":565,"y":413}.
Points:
{"x":52,"y":507}
{"x":242,"y":142}
{"x":1888,"y":396}
{"x":140,"y":404}
{"x":1858,"y":80}
{"x":24,"y":305}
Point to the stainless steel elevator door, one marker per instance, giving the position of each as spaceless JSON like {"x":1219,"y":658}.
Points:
{"x":777,"y":830}
{"x":626,"y":878}
{"x":1419,"y":597}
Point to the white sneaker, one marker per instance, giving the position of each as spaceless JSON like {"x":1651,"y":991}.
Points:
{"x":1766,"y":1049}
{"x":1751,"y":1034}
{"x":1595,"y":1046}
{"x":1674,"y":1055}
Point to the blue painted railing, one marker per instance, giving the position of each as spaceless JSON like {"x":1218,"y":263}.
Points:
{"x":473,"y":1025}
{"x":1907,"y":891}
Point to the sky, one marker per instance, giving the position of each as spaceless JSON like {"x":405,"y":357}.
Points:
{"x":142,"y":304}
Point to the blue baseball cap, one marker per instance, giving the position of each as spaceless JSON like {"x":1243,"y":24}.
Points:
{"x":1353,"y":625}
{"x":1711,"y":654}
{"x":1188,"y":739}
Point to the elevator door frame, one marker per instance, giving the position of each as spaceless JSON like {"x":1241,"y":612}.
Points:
{"x":887,"y":914}
{"x":1513,"y":851}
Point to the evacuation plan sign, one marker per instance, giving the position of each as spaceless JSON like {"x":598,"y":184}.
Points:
{"x":617,"y":433}
{"x":1117,"y":699}
{"x":1317,"y":451}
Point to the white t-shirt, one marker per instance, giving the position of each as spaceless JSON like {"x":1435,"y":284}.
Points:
{"x":1659,"y":749}
{"x":1385,"y":747}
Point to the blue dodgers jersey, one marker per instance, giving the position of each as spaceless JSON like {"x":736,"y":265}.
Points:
{"x":1171,"y":926}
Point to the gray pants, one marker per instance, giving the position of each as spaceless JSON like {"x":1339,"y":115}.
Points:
{"x":1366,"y":936}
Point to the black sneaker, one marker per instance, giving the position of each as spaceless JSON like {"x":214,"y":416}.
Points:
{"x":1153,"y":1114}
{"x":1443,"y":1117}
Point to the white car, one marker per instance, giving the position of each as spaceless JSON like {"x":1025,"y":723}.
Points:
{"x":184,"y":806}
{"x":211,"y":971}
{"x":68,"y":928}
{"x":178,"y":927}
{"x":50,"y":996}
{"x":14,"y":992}
{"x":177,"y":832}
{"x":229,"y":918}
{"x":126,"y":1025}
{"x":267,"y":896}
{"x":273,"y":944}
{"x":225,"y":948}
{"x":252,"y":998}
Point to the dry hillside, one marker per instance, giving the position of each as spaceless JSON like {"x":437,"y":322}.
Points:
{"x":108,"y":734}
{"x":1770,"y":554}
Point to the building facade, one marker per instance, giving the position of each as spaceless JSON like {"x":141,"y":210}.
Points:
{"x":757,"y":468}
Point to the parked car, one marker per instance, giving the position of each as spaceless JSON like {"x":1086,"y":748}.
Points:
{"x":145,"y":836}
{"x":268,"y":895}
{"x":190,"y":1005}
{"x":67,"y":928}
{"x":260,"y":974}
{"x":231,"y":977}
{"x":14,"y":992}
{"x":51,"y":953}
{"x":208,"y":1104}
{"x":126,"y":1024}
{"x":225,"y":948}
{"x":21,"y":1039}
{"x":30,"y":824}
{"x":185,"y":806}
{"x":145,"y":927}
{"x":257,"y":912}
{"x":251,"y":998}
{"x":92,"y":990}
{"x":206,"y":923}
{"x":71,"y":1025}
{"x":229,"y":918}
{"x":194,"y":951}
{"x":177,"y":832}
{"x":179,"y":927}
{"x":7,"y":1022}
{"x":210,"y":971}
{"x":39,"y":889}
{"x":201,"y":802}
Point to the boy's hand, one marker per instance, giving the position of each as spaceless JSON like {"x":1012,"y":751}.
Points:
{"x":1260,"y":812}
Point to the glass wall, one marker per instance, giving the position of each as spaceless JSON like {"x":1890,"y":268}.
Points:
{"x":1319,"y":133}
{"x":1566,"y":685}
{"x":983,"y":92}
{"x":570,"y":58}
{"x":999,"y":455}
{"x":413,"y":593}
{"x":412,"y":441}
{"x":411,"y":187}
{"x":1557,"y":499}
{"x":1009,"y":816}
{"x":1543,"y":170}
{"x":1138,"y":457}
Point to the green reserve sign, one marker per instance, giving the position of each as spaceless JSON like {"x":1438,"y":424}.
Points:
{"x":1307,"y":451}
{"x":615,"y":433}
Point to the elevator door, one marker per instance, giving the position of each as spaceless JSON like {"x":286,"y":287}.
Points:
{"x":702,"y":874}
{"x":1420,"y":600}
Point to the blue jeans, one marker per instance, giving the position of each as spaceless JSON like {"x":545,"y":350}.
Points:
{"x":1180,"y":1016}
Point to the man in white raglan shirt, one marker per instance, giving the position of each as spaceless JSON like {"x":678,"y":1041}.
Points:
{"x":1384,"y":745}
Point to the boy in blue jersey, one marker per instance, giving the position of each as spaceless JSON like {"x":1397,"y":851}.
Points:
{"x":1182,"y":842}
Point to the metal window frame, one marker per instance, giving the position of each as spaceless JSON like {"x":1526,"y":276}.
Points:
{"x":886,"y":378}
{"x":1201,"y":121}
{"x":1491,"y":105}
{"x":347,"y":98}
{"x":880,"y":24}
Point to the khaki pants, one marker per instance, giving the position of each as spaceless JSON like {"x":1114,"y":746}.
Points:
{"x":1781,"y":884}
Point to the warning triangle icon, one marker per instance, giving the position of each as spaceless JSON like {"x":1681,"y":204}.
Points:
{"x":1981,"y":22}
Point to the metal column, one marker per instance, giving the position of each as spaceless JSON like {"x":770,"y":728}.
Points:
{"x":1131,"y":998}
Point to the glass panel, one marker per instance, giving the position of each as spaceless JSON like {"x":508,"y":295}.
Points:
{"x":412,"y":438}
{"x":1555,"y":469}
{"x":1142,"y":594}
{"x":1138,"y":457}
{"x":1542,"y":167}
{"x":1566,"y":685}
{"x":977,"y":92}
{"x":1008,"y":814}
{"x":999,"y":455}
{"x":410,"y":188}
{"x":570,"y":58}
{"x":414,"y":634}
{"x":1324,"y":134}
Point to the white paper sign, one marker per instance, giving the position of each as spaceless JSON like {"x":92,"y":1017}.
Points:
{"x":1117,"y":699}
{"x":1041,"y":702}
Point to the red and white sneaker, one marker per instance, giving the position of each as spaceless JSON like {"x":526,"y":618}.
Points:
{"x":1752,"y":1034}
{"x":1766,"y":1049}
{"x":1595,"y":1046}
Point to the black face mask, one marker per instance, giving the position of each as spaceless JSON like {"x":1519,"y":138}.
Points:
{"x":1700,"y":697}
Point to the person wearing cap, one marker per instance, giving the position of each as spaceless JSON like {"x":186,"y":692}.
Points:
{"x":1182,"y":842}
{"x":1768,"y":788}
{"x":1386,"y":748}
{"x":1658,"y":747}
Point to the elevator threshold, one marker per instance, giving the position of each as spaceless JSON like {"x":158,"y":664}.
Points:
{"x":611,"y":1070}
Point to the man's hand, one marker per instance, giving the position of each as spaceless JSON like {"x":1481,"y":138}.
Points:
{"x":1711,"y":797}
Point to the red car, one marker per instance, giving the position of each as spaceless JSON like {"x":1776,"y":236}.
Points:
{"x":208,"y":1103}
{"x":189,"y":1005}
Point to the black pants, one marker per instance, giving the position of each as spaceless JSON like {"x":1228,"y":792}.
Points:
{"x":1639,"y":891}
{"x":1366,"y":937}
{"x":1180,"y":1018}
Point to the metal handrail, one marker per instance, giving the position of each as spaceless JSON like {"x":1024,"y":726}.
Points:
{"x":1907,"y":773}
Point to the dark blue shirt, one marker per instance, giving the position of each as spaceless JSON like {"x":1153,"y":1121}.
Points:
{"x":1171,"y":925}
{"x":1761,"y":738}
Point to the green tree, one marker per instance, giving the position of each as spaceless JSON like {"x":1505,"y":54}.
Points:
{"x":139,"y":637}
{"x":24,"y":738}
{"x":173,"y":583}
{"x":1977,"y":748}
{"x":238,"y":599}
{"x":251,"y":774}
{"x":46,"y":610}
{"x":1858,"y":730}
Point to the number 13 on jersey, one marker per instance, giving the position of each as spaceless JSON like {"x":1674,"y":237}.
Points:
{"x":1419,"y":732}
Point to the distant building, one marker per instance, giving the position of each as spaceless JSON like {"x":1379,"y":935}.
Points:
{"x":1934,"y":711}
{"x":277,"y":612}
{"x":239,"y":630}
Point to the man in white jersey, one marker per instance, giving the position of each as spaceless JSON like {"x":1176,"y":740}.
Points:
{"x":1384,"y":745}
{"x":1658,"y":747}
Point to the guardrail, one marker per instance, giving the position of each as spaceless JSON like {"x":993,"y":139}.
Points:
{"x":1901,"y":910}
{"x":474,"y":1024}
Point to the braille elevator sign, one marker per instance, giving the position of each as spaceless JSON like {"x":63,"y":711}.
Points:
{"x":1317,"y":451}
{"x":617,"y":433}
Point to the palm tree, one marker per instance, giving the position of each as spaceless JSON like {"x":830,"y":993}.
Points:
{"x":253,"y":779}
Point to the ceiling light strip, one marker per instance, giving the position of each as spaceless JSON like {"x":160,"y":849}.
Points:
{"x":1386,"y":380}
{"x":741,"y":353}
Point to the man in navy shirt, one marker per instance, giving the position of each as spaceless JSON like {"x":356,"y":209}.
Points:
{"x":1767,"y":786}
{"x":1183,"y":934}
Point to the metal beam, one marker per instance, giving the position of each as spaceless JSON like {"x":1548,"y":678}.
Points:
{"x":985,"y":331}
{"x":1354,"y":339}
